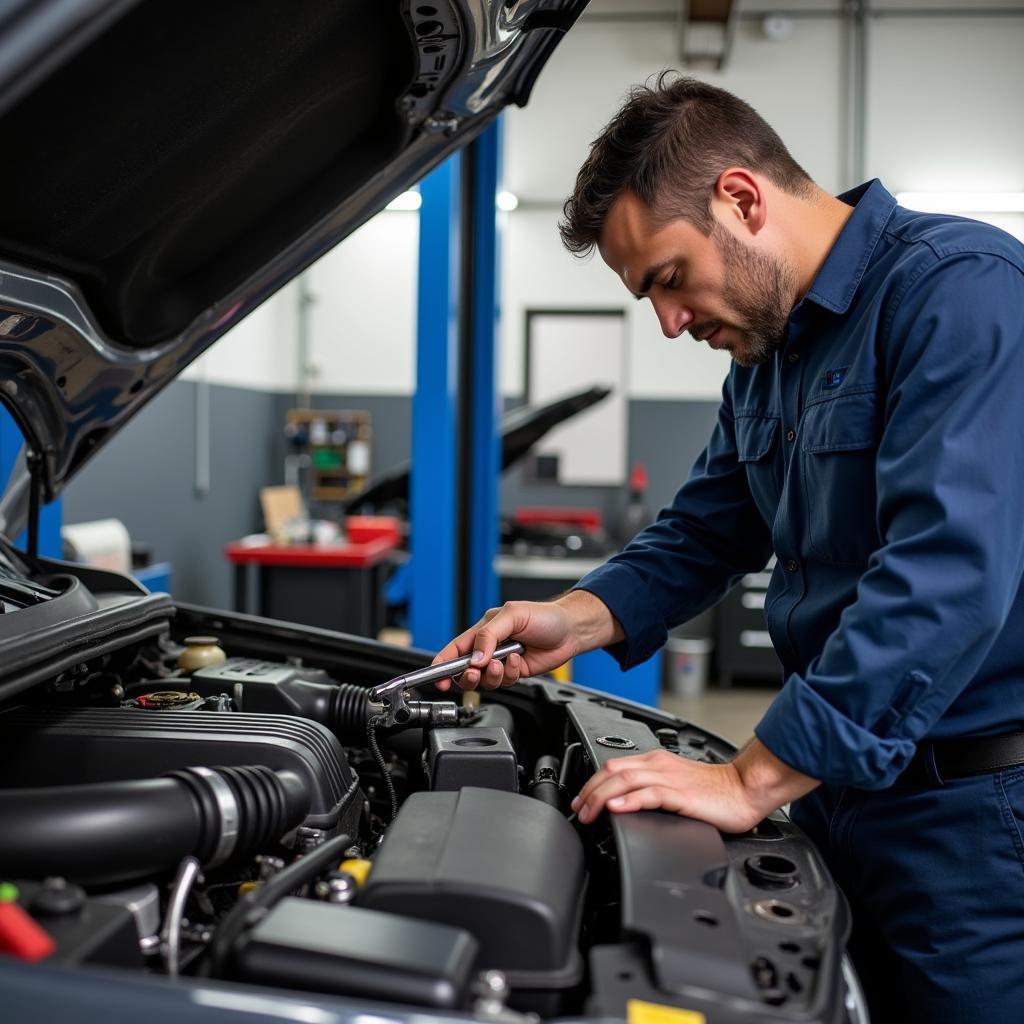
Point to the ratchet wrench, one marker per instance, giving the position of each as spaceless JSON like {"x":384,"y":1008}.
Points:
{"x":455,"y":667}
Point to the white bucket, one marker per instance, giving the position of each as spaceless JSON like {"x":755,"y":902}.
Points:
{"x":687,"y":665}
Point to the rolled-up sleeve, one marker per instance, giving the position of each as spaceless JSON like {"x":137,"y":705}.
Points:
{"x":686,"y":560}
{"x":950,"y":496}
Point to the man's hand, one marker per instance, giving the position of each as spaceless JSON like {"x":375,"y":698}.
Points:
{"x":551,"y":631}
{"x":734,"y":797}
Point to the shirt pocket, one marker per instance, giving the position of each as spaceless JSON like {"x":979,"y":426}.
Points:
{"x":756,"y":438}
{"x":839,"y":447}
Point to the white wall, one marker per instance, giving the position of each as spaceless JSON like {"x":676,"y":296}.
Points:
{"x":362,"y":321}
{"x":363,"y":336}
{"x":948,"y":120}
{"x":259,"y":352}
{"x":944,"y":104}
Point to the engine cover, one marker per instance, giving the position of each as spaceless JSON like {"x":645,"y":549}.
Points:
{"x":507,"y":868}
{"x":51,"y":747}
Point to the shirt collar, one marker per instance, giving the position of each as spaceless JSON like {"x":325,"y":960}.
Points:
{"x":841,"y":273}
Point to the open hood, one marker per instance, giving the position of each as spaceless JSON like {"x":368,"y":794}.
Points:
{"x":168,"y":167}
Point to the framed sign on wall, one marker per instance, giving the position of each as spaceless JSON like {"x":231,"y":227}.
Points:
{"x":567,"y":350}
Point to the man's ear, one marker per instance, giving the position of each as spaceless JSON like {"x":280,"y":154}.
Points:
{"x":738,"y":194}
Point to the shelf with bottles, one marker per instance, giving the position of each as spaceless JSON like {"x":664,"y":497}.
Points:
{"x":338,"y":445}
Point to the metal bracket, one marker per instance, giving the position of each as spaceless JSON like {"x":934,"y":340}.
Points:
{"x":723,"y":14}
{"x":395,"y":709}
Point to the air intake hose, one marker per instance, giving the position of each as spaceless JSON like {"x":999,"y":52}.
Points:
{"x":341,"y":707}
{"x":120,"y":832}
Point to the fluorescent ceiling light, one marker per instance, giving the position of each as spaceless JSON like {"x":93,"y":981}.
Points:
{"x":405,"y":201}
{"x":412,"y":200}
{"x":962,"y":202}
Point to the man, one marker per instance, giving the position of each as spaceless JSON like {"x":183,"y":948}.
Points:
{"x":871,"y":435}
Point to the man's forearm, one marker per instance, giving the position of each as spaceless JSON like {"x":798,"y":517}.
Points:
{"x":593,"y":625}
{"x":767,"y":781}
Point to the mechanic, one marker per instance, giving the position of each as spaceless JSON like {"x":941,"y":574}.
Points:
{"x":871,"y":436}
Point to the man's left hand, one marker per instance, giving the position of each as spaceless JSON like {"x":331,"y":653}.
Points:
{"x":734,"y":797}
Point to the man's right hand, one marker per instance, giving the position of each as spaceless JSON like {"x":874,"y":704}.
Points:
{"x":552,"y":633}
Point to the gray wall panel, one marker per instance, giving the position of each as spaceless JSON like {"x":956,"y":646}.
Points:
{"x":146,"y":478}
{"x":667,"y":437}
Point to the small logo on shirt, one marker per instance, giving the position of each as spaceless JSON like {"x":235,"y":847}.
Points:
{"x":835,"y":377}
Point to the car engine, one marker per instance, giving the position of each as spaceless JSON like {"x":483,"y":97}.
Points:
{"x":254,"y":820}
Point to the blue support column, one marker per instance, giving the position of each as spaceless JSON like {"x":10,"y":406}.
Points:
{"x":484,"y":396}
{"x":50,"y":516}
{"x":432,"y":488}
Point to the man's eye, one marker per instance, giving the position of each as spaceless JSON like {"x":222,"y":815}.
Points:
{"x":672,"y":281}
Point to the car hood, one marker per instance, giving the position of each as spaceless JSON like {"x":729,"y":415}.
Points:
{"x":167,"y":168}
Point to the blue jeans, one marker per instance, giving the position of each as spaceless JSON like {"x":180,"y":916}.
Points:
{"x":935,"y":880}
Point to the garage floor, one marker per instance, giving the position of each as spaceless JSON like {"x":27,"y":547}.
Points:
{"x":731,"y":714}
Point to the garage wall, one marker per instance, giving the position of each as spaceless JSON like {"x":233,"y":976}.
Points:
{"x":146,"y":478}
{"x":943,"y":103}
{"x":363,"y":321}
{"x":259,"y":353}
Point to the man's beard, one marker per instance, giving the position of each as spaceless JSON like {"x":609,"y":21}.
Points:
{"x":759,"y":289}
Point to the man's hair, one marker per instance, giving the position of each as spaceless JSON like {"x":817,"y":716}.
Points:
{"x":668,"y":145}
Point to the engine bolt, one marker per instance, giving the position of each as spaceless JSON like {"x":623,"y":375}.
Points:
{"x":307,"y":839}
{"x":337,"y":887}
{"x":495,"y":982}
{"x":268,"y":866}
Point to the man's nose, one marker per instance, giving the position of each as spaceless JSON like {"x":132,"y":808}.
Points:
{"x":673,"y":317}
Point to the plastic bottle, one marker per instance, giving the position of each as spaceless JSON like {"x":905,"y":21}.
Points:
{"x":201,"y":652}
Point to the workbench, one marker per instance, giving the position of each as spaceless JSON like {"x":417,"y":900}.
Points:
{"x":335,"y":586}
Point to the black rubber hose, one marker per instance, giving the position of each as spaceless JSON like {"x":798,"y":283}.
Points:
{"x":342,"y":707}
{"x":350,"y":712}
{"x":121,"y":832}
{"x":570,"y":765}
{"x":545,"y":785}
{"x":254,"y":904}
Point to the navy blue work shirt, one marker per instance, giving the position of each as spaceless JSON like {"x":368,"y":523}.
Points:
{"x":880,"y":455}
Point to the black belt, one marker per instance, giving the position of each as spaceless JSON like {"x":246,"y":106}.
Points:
{"x":939,"y":761}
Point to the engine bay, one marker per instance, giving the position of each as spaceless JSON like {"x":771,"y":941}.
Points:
{"x":252,"y":820}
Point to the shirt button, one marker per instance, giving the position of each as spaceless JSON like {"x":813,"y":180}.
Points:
{"x":791,"y":565}
{"x":793,"y":356}
{"x":791,"y":435}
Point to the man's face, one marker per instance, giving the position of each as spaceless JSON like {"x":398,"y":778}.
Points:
{"x":718,"y":288}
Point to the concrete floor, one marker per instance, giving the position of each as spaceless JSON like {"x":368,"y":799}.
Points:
{"x":731,"y":714}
